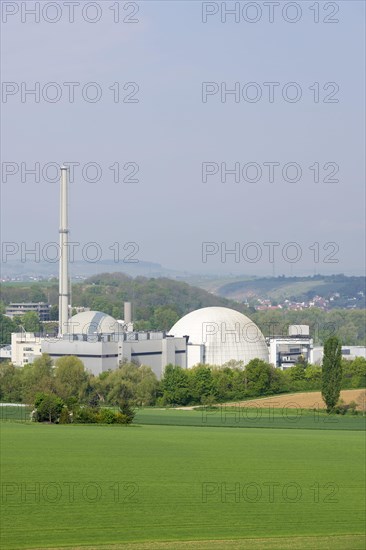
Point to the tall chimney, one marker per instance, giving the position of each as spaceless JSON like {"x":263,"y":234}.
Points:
{"x":127,"y":313}
{"x":64,"y":294}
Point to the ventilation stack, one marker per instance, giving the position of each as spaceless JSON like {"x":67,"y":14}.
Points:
{"x":127,"y":313}
{"x":64,"y":292}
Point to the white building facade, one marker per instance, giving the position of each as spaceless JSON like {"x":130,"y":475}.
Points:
{"x":25,"y":347}
{"x":102,"y":352}
{"x":285,"y":351}
{"x":348,"y":352}
{"x":102,"y":343}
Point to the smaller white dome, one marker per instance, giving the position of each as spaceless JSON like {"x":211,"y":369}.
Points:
{"x":93,"y":322}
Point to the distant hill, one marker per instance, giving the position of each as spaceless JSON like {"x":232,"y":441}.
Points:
{"x":293,"y":288}
{"x":82,"y":269}
{"x":159,"y":302}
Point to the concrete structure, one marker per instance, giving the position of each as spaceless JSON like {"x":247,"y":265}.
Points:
{"x":285,"y":351}
{"x":20,"y":308}
{"x":5,"y":353}
{"x":93,"y":322}
{"x":217,"y":335}
{"x":128,"y":312}
{"x":126,"y":324}
{"x":348,"y":352}
{"x":25,"y":347}
{"x":64,"y":294}
{"x":97,"y":339}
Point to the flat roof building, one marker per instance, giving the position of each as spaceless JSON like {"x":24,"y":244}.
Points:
{"x":25,"y":347}
{"x":285,"y":351}
{"x":21,"y":308}
{"x":102,"y":344}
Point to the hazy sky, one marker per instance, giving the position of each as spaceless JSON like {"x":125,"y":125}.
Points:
{"x":170,"y":130}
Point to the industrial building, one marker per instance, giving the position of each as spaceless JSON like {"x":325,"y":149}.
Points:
{"x":101,"y":342}
{"x":19,"y":309}
{"x":213,"y":335}
{"x":285,"y":351}
{"x":25,"y":347}
{"x":348,"y":352}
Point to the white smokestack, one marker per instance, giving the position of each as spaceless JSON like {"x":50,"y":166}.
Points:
{"x":127,"y":313}
{"x":64,"y":294}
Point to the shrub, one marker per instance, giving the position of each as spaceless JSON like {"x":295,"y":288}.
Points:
{"x":106,"y":416}
{"x":126,"y":409}
{"x":343,"y":408}
{"x":86,"y":415}
{"x":65,"y":417}
{"x":121,"y":418}
{"x":352,"y":407}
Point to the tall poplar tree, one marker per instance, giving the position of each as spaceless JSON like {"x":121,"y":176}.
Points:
{"x":331,"y":372}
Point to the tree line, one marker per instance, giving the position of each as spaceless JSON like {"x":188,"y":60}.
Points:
{"x":84,"y":395}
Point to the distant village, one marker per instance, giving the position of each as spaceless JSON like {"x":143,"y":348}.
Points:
{"x":334,"y":301}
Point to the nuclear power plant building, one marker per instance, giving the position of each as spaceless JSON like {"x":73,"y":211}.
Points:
{"x":213,"y":335}
{"x":101,"y":343}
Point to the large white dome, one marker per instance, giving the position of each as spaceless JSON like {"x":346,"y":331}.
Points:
{"x":93,"y":322}
{"x":226,"y":334}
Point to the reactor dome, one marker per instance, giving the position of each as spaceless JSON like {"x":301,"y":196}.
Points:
{"x":93,"y":322}
{"x":225,"y":333}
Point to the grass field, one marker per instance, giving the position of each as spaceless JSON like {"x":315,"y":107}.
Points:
{"x":183,"y":486}
{"x":227,"y":416}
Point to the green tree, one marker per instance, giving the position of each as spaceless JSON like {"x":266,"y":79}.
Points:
{"x":146,"y":387}
{"x":175,"y":385}
{"x":224,"y":383}
{"x":143,"y":325}
{"x":354,"y":373}
{"x":257,"y":377}
{"x":331,"y":372}
{"x":297,"y":372}
{"x":10,"y":383}
{"x":120,"y":388}
{"x":7,"y":326}
{"x":31,"y":322}
{"x":54,"y":313}
{"x":48,"y":407}
{"x":313,"y":376}
{"x":70,"y":377}
{"x":164,"y":318}
{"x":37,"y":377}
{"x":200,"y":382}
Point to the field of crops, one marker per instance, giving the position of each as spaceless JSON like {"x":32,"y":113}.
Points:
{"x":135,"y":487}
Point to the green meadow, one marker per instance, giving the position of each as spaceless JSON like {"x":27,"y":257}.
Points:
{"x":185,"y":479}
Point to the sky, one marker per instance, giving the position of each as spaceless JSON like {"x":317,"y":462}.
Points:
{"x":196,"y":131}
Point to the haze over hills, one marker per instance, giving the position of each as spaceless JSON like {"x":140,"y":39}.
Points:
{"x":339,"y":290}
{"x":159,"y":302}
{"x":81,"y":269}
